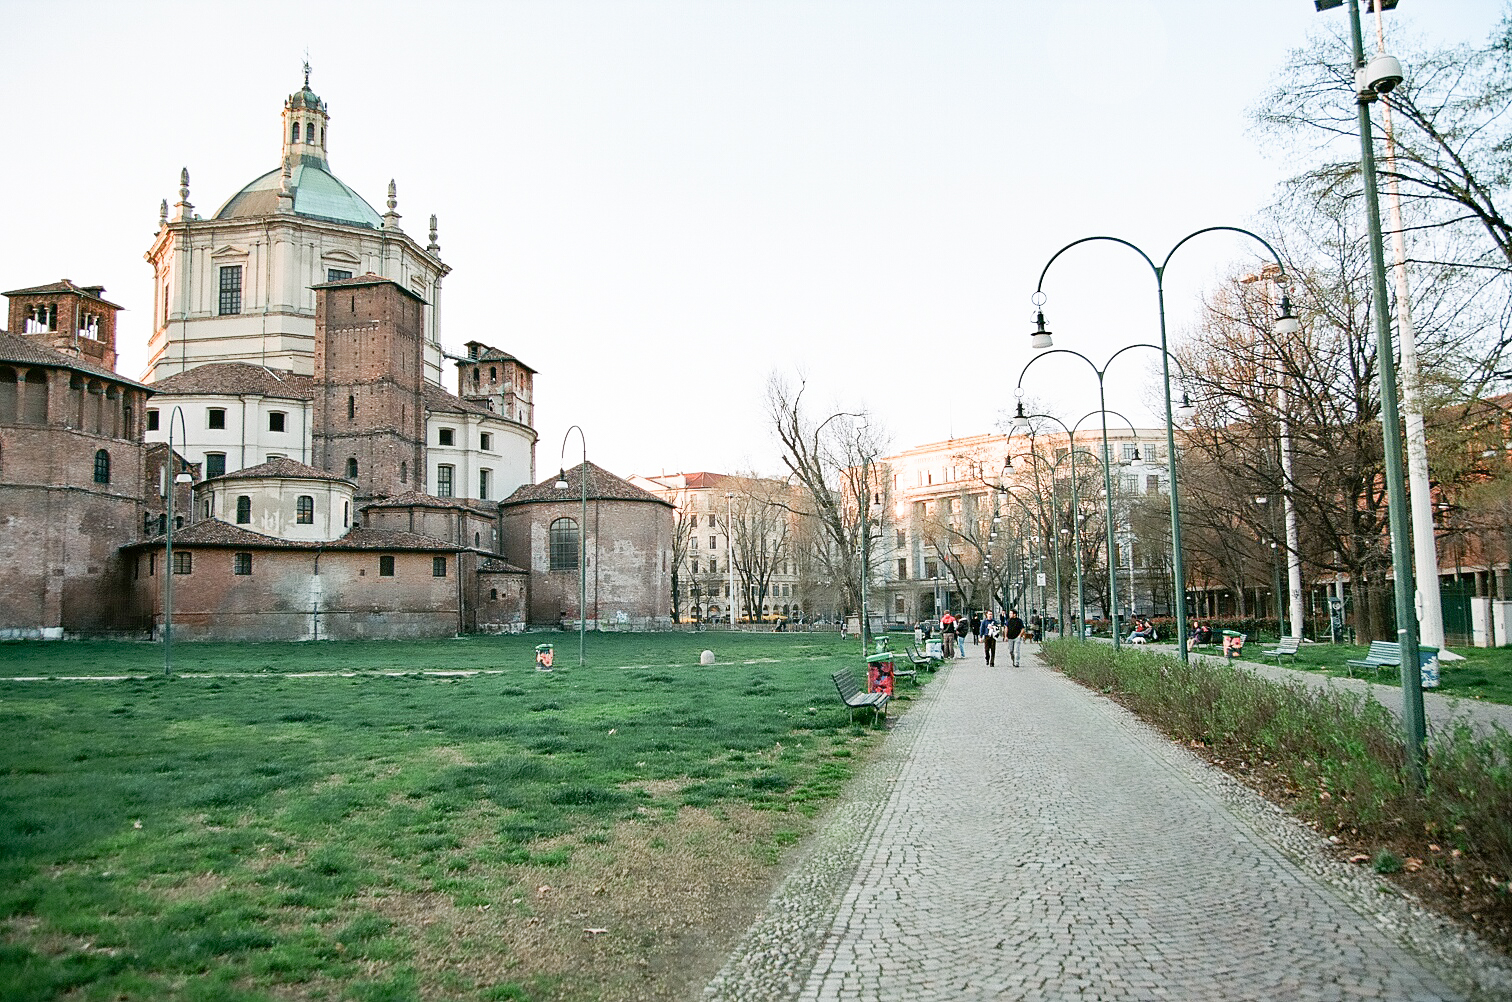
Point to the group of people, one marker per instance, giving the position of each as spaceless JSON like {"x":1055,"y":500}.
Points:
{"x":984,"y":630}
{"x":1143,"y":632}
{"x":1199,"y":633}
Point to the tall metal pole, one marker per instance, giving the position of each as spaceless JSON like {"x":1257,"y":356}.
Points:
{"x":864,"y":510}
{"x":561,"y":484}
{"x":1108,"y":490}
{"x":1391,"y":433}
{"x":169,"y":480}
{"x":1178,"y":563}
{"x":730,"y":549}
{"x":168,"y":556}
{"x":583,"y":563}
{"x":1420,"y":494}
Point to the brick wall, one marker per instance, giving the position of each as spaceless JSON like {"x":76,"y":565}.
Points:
{"x":71,"y":309}
{"x":370,"y":373}
{"x":628,"y":570}
{"x":284,"y":599}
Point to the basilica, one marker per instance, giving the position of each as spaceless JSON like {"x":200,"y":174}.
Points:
{"x":292,"y":439}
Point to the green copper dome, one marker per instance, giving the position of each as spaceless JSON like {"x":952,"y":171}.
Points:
{"x":318,"y":194}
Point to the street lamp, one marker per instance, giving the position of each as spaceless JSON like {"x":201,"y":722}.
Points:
{"x":1040,"y":338}
{"x":1379,"y":77}
{"x":1103,"y":412}
{"x":1022,"y":420}
{"x":1005,"y":491}
{"x":169,"y":480}
{"x":561,"y":485}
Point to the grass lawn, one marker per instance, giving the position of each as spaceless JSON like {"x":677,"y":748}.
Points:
{"x":251,"y":835}
{"x":1486,"y":673}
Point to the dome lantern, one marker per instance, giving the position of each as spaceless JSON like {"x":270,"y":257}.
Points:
{"x":304,"y":126}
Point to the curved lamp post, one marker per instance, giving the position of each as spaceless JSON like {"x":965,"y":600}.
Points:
{"x":1103,"y":412}
{"x":1007,"y":492}
{"x":1041,"y":338}
{"x":561,"y":485}
{"x":169,"y":480}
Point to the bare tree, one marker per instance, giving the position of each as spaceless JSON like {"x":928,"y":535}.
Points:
{"x":682,"y":533}
{"x":1452,"y":130}
{"x":842,"y":491}
{"x":761,"y":535}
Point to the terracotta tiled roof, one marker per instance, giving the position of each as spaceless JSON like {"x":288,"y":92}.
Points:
{"x":494,"y":565}
{"x":287,"y":468}
{"x":212,"y":532}
{"x":64,"y":285}
{"x":29,"y":351}
{"x":490,"y":354}
{"x":419,"y":499}
{"x":238,"y":377}
{"x":602,"y":486}
{"x":357,"y":281}
{"x":437,"y":399}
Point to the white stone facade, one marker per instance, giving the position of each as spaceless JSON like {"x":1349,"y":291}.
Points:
{"x":233,"y":342}
{"x":236,"y":287}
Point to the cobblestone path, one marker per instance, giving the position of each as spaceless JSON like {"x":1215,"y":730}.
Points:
{"x":1037,"y":842}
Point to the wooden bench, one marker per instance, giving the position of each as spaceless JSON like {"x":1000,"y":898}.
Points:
{"x":855,"y":699}
{"x":1285,"y":647}
{"x":920,"y":660}
{"x":1385,"y":654}
{"x":1382,"y":654}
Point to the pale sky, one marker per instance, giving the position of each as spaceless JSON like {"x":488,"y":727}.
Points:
{"x":657,"y":204}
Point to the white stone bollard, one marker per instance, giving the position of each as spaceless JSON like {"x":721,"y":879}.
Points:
{"x":706,"y":658}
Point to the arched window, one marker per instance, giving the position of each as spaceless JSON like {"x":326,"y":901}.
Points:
{"x":304,"y":510}
{"x":243,"y":510}
{"x":309,"y":132}
{"x":351,"y":407}
{"x":564,"y":545}
{"x":322,"y":135}
{"x":403,"y":472}
{"x":294,"y":133}
{"x":102,"y":467}
{"x":351,"y":467}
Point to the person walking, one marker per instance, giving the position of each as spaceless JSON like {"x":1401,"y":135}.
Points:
{"x":963,"y":627}
{"x":976,"y":628}
{"x":989,"y":641}
{"x":1013,"y":632}
{"x":947,"y":634}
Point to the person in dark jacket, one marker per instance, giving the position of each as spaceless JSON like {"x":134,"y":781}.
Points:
{"x":1013,"y":632}
{"x":976,"y":628}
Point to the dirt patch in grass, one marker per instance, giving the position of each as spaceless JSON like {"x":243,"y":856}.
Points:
{"x":658,"y":788}
{"x":645,"y":916}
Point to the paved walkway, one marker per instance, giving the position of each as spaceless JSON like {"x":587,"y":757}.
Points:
{"x":1029,"y":839}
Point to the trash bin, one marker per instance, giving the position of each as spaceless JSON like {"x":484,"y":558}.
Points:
{"x":1233,"y":643}
{"x":879,"y":673}
{"x":934,"y":647}
{"x":884,"y":644}
{"x":545,"y":654}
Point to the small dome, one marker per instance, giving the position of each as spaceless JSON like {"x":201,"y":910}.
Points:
{"x":318,"y":194}
{"x":305,"y":98}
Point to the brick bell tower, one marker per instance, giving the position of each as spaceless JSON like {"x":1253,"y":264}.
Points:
{"x":369,"y":420}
